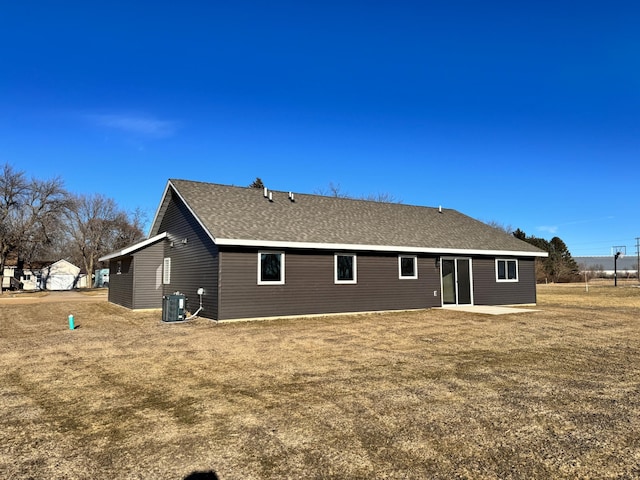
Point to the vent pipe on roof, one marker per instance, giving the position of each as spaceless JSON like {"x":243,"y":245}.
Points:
{"x":271,"y":196}
{"x":291,"y":197}
{"x":440,"y":209}
{"x":266,"y":192}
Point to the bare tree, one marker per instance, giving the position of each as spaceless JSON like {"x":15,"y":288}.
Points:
{"x":97,"y":226}
{"x":501,"y":226}
{"x":335,"y":190}
{"x":47,"y":203}
{"x":30,"y":212}
{"x":381,"y":197}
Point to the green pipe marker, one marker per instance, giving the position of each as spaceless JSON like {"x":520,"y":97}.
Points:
{"x":71,"y":324}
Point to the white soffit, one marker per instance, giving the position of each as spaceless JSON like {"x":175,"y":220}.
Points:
{"x":133,"y":248}
{"x":374,"y":248}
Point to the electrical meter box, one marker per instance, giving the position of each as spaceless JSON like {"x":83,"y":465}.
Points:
{"x":173,"y":307}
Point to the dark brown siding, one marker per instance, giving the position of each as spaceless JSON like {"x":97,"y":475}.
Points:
{"x":147,"y":291}
{"x":194,"y":264}
{"x":488,"y":291}
{"x":121,"y":281}
{"x":309,"y":285}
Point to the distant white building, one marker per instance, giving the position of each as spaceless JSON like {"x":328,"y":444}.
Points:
{"x":604,"y":265}
{"x":101,"y":278}
{"x":62,"y":275}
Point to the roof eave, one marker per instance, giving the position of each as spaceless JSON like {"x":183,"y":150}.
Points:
{"x":375,"y":248}
{"x":133,"y":248}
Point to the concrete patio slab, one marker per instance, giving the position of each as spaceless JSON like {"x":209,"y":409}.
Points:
{"x":489,"y":309}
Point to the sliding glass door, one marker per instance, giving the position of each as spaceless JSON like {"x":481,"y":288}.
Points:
{"x":456,"y":281}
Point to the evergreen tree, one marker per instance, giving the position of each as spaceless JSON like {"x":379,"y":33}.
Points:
{"x":559,"y":266}
{"x":257,"y":183}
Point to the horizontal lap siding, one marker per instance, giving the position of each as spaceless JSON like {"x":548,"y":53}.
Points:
{"x":488,"y":291}
{"x":121,"y":281}
{"x":147,"y":292}
{"x":309,"y":286}
{"x":194,"y":264}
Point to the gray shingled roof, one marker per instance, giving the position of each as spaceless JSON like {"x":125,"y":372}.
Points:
{"x":237,"y":213}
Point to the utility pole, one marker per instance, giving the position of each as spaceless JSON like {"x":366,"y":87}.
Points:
{"x":618,"y":252}
{"x":638,"y":254}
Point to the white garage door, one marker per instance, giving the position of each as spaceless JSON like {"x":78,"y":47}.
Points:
{"x":61,"y":282}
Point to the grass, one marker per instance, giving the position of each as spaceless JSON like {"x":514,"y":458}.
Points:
{"x":432,"y":394}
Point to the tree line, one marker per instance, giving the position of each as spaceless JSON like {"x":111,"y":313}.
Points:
{"x":559,"y":266}
{"x":40,"y":221}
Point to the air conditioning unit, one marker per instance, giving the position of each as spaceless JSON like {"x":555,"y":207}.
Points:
{"x":173,"y":307}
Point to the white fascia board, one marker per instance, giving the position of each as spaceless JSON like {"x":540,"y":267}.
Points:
{"x":375,"y":248}
{"x":133,"y":248}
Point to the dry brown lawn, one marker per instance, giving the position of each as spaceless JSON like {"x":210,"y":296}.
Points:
{"x":416,"y":395}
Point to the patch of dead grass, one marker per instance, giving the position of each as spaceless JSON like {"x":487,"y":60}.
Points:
{"x":431,"y":394}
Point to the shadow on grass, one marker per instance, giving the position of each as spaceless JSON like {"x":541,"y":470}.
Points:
{"x":210,"y":475}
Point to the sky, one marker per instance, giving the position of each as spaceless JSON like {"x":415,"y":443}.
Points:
{"x":525,"y":114}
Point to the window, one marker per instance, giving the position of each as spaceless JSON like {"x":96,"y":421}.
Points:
{"x":26,"y":277}
{"x":270,"y":268}
{"x":506,"y":270}
{"x":166,"y":271}
{"x":345,"y":269}
{"x":408,"y":266}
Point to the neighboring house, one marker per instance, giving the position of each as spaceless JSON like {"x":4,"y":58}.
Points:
{"x":604,"y":265}
{"x":266,"y":253}
{"x":62,"y":275}
{"x":16,"y":278}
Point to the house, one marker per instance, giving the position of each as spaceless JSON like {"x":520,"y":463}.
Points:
{"x":604,"y":266}
{"x":261,"y":253}
{"x":62,"y":275}
{"x":17,"y":277}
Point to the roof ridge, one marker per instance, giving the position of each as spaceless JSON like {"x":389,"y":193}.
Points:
{"x":317,"y":195}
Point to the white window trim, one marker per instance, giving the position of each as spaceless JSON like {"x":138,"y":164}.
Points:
{"x":166,"y":271}
{"x":415,"y":267}
{"x":282,"y":271}
{"x":335,"y":268}
{"x":506,"y":270}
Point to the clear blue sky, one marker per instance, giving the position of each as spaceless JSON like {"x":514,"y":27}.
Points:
{"x":523,"y":113}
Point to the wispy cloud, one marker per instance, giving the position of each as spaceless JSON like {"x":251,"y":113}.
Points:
{"x":553,"y":229}
{"x":135,"y":124}
{"x":548,"y":228}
